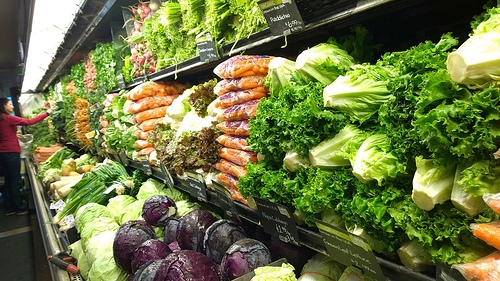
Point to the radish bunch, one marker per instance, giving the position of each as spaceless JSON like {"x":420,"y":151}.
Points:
{"x":142,"y":59}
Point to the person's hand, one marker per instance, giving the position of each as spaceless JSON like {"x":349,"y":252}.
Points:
{"x":50,"y":110}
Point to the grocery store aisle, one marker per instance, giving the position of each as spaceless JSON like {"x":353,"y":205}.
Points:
{"x":22,"y":253}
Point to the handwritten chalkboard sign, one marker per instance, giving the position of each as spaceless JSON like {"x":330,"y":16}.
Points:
{"x":146,"y":167}
{"x":123,"y":158}
{"x":196,"y":186}
{"x":350,"y":250}
{"x":206,"y":47}
{"x":169,"y":181}
{"x":277,"y":220}
{"x":222,"y":199}
{"x":446,"y":273}
{"x":282,"y":16}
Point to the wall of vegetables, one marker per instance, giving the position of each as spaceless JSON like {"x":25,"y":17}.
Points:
{"x":399,"y":148}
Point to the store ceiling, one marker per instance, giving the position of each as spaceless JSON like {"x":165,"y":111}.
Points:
{"x":15,"y":18}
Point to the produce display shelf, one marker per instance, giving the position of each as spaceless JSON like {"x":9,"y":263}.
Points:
{"x":309,"y":237}
{"x":54,"y":240}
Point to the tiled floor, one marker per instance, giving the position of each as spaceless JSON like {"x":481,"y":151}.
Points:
{"x":22,"y":253}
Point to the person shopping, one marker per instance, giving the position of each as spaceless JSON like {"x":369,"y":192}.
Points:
{"x":10,"y":156}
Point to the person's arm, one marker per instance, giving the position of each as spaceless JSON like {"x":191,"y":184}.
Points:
{"x":19,"y":121}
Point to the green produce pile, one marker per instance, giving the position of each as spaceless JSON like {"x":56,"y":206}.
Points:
{"x":42,"y":133}
{"x":378,"y":145}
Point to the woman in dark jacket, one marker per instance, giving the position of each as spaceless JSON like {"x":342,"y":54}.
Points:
{"x":10,"y":156}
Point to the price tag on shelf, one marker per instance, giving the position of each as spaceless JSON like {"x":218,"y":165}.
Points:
{"x":196,"y":185}
{"x":277,"y":220}
{"x":169,"y":181}
{"x":222,"y":199}
{"x":350,"y":250}
{"x":123,"y":158}
{"x":446,"y":273}
{"x":282,"y":16}
{"x":146,"y":167}
{"x":206,"y":47}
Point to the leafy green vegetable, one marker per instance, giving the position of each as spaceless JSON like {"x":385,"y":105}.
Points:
{"x":359,"y":92}
{"x":285,"y":272}
{"x":323,"y":62}
{"x":321,"y":268}
{"x":203,"y":94}
{"x":375,"y":161}
{"x":475,"y":62}
{"x":293,"y":120}
{"x":481,"y":177}
{"x":432,"y":183}
{"x":338,"y":150}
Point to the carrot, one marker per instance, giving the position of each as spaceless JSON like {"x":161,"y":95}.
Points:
{"x":140,"y":144}
{"x":149,"y":125}
{"x":488,"y":232}
{"x":244,"y":83}
{"x":233,"y":142}
{"x":151,"y":102}
{"x":246,"y":110}
{"x":231,"y":184}
{"x":148,"y":114}
{"x":237,"y":156}
{"x":493,"y":200}
{"x":151,"y":88}
{"x":484,"y":269}
{"x":237,"y":97}
{"x":231,"y":168}
{"x":145,"y":151}
{"x":143,"y":135}
{"x":243,"y":65}
{"x":237,"y":128}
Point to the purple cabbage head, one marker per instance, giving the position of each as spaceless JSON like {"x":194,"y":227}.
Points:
{"x":219,"y":237}
{"x":171,"y":226}
{"x":152,"y":249}
{"x":244,"y":256}
{"x":185,"y":265}
{"x":157,"y":209}
{"x":192,"y":227}
{"x":129,"y":236}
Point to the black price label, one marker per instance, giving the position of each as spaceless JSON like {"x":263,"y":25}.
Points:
{"x":123,"y":158}
{"x":196,"y":185}
{"x":446,"y":273}
{"x":222,"y":199}
{"x":206,"y":47}
{"x":169,"y":181}
{"x":277,"y":220}
{"x":146,"y":167}
{"x":282,"y":16}
{"x":349,"y":249}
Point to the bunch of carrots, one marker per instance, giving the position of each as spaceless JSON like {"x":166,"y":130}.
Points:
{"x":150,"y":101}
{"x":238,"y":93}
{"x":82,"y":123}
{"x":488,"y":267}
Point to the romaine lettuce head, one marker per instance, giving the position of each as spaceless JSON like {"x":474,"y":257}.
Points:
{"x":375,"y":161}
{"x":338,"y":150}
{"x":476,"y":62}
{"x":359,"y":92}
{"x":323,"y":63}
